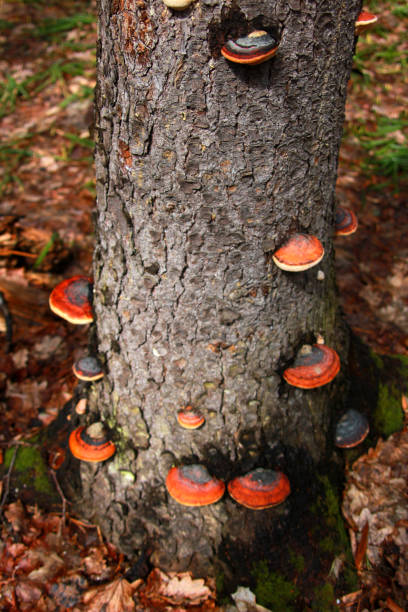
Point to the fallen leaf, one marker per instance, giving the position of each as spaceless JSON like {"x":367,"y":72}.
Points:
{"x":176,"y":589}
{"x":361,"y":548}
{"x":375,"y":501}
{"x":117,"y":596}
{"x":15,"y":514}
{"x":245,"y":601}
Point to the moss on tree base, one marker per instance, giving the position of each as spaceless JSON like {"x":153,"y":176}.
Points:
{"x":377,"y":385}
{"x":310,"y":563}
{"x":30,"y":478}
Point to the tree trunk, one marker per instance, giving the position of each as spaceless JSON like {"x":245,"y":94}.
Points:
{"x":204,"y":168}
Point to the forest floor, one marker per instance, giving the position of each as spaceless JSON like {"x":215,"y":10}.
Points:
{"x":47,"y":191}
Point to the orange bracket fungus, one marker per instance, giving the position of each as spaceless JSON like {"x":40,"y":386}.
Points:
{"x":255,"y":48}
{"x":72,"y":300}
{"x":260,"y":489}
{"x":364,"y":21}
{"x":346,"y":222}
{"x":91,"y":444}
{"x":88,"y":368}
{"x":299,"y":253}
{"x":192,"y":485}
{"x":314,"y":366}
{"x":189,"y":418}
{"x":351,"y":430}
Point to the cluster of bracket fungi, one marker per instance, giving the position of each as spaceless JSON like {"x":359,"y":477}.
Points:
{"x":314,"y":366}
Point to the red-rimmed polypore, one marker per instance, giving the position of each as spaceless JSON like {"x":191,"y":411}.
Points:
{"x":315,"y":366}
{"x":91,"y":444}
{"x":72,"y":300}
{"x":299,"y":253}
{"x":259,"y":489}
{"x":88,"y":368}
{"x":351,"y":430}
{"x":192,"y":485}
{"x":346,"y":222}
{"x":255,"y":48}
{"x":189,"y":418}
{"x":364,"y":21}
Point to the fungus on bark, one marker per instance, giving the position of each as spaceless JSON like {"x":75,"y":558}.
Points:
{"x":88,"y":368}
{"x":192,"y":485}
{"x":259,"y":489}
{"x":91,"y":444}
{"x":346,"y":222}
{"x":178,"y":5}
{"x":314,"y":366}
{"x":72,"y":300}
{"x":189,"y":418}
{"x":364,"y":21}
{"x":351,"y":430}
{"x":255,"y":48}
{"x":299,"y":253}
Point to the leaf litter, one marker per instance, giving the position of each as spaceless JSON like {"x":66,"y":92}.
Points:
{"x":376,"y":510}
{"x":48,"y":564}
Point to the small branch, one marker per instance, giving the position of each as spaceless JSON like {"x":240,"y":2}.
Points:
{"x":8,"y":321}
{"x":7,"y":479}
{"x":64,"y":501}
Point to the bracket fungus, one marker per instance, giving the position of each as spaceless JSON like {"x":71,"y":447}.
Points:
{"x":72,"y":300}
{"x":192,"y":485}
{"x":314,"y":367}
{"x":351,"y":430}
{"x":189,"y":418}
{"x":255,"y":48}
{"x":259,"y":489}
{"x":88,"y":368}
{"x":91,"y":444}
{"x":346,"y":222}
{"x":364,"y":21}
{"x":178,"y":5}
{"x":299,"y":253}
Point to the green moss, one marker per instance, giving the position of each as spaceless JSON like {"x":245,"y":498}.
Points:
{"x":271,"y":589}
{"x":219,"y":582}
{"x":403,"y":359}
{"x":327,"y":545}
{"x":298,"y":561}
{"x":30,"y":469}
{"x":334,"y":539}
{"x":388,"y":415}
{"x":324,"y":598}
{"x":377,"y":360}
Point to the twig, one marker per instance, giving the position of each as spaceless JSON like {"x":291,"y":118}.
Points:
{"x":8,"y":321}
{"x":7,"y":252}
{"x":63,"y":500}
{"x":89,"y":526}
{"x":7,"y":479}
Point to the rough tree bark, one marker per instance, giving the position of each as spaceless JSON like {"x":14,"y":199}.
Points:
{"x":203,"y":169}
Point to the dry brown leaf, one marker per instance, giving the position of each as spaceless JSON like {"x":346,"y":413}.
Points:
{"x":393,"y":606}
{"x":245,"y":601}
{"x":49,"y":564}
{"x":181,"y":588}
{"x":404,"y":405}
{"x":376,"y":496}
{"x":28,"y":593}
{"x":117,"y":596}
{"x":351,"y":598}
{"x":15,"y":514}
{"x":361,"y":548}
{"x":176,"y":589}
{"x":96,"y":565}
